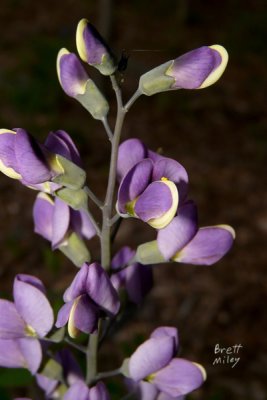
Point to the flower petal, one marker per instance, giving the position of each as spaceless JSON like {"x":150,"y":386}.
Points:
{"x":31,"y":161}
{"x":85,"y":315}
{"x":71,"y":74}
{"x":208,"y":246}
{"x":10,"y":354}
{"x":99,"y":392}
{"x":134,"y":183}
{"x":32,"y":353}
{"x":8,"y":161}
{"x":158,"y":204}
{"x":12,"y":325}
{"x":152,"y":355}
{"x":61,"y":221}
{"x":33,"y":306}
{"x":131,"y":152}
{"x":179,"y":232}
{"x":163,"y":331}
{"x":78,"y":285}
{"x":81,"y":224}
{"x":43,"y":211}
{"x":77,"y":391}
{"x":60,"y":142}
{"x":178,"y":378}
{"x":173,"y":171}
{"x":63,"y":314}
{"x":100,"y":289}
{"x":122,"y":257}
{"x":139,"y":281}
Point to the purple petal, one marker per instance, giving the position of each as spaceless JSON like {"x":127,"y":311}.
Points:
{"x":81,"y":224}
{"x":154,"y":202}
{"x":31,"y":161}
{"x":178,"y":378}
{"x":32,"y":353}
{"x":60,"y":142}
{"x":122,"y":257}
{"x":146,"y":391}
{"x":134,"y":183}
{"x":77,"y":391}
{"x":33,"y":306}
{"x":71,"y":368}
{"x":167,"y":331}
{"x":99,"y":392}
{"x":47,"y":384}
{"x":10,"y":354}
{"x":63,"y":314}
{"x":164,"y":396}
{"x":208,"y":246}
{"x":131,"y":152}
{"x":72,"y":76}
{"x":193,"y":68}
{"x":139,"y":281}
{"x":61,"y":221}
{"x":100,"y":289}
{"x":78,"y":285}
{"x":173,"y":171}
{"x":43,"y":211}
{"x":85,"y":315}
{"x":7,"y":154}
{"x":152,"y":355}
{"x":12,"y":325}
{"x":179,"y":232}
{"x":32,"y":280}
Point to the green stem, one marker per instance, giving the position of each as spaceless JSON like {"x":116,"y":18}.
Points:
{"x":93,"y":197}
{"x":107,"y":128}
{"x":91,"y":358}
{"x":108,"y":374}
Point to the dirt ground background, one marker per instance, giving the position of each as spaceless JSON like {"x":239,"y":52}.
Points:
{"x":219,"y":134}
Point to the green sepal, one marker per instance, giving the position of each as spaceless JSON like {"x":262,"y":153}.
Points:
{"x":53,"y":370}
{"x":76,"y":250}
{"x":156,"y":80}
{"x":58,"y":336}
{"x":148,"y":253}
{"x":76,"y":199}
{"x":69,"y":174}
{"x":94,"y":101}
{"x":124,"y":369}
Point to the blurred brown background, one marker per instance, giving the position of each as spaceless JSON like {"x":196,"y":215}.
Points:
{"x":219,"y":134}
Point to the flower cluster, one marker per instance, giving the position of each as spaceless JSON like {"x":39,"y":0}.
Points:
{"x":152,"y":188}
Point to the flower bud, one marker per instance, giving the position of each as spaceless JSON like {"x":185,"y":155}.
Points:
{"x":76,"y":83}
{"x":93,"y":49}
{"x":196,"y":69}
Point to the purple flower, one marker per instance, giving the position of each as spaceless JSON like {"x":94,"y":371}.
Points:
{"x":147,"y":391}
{"x":93,"y":49}
{"x":90,"y":296}
{"x":196,"y":69}
{"x":30,"y":315}
{"x":64,"y":227}
{"x":22,"y":322}
{"x":80,"y":391}
{"x":183,"y":241}
{"x":136,"y":279}
{"x":76,"y":83}
{"x":154,"y":362}
{"x":151,"y":185}
{"x":43,"y":167}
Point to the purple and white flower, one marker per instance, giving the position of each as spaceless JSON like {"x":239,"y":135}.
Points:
{"x":90,"y":296}
{"x":135,"y":278}
{"x":154,"y":362}
{"x":93,"y":49}
{"x":151,"y":186}
{"x":196,"y":69}
{"x":45,"y":167}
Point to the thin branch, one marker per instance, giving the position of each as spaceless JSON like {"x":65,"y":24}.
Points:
{"x":108,"y":374}
{"x":93,"y":197}
{"x":107,"y":128}
{"x":114,"y":219}
{"x":75,"y":345}
{"x":135,"y":96}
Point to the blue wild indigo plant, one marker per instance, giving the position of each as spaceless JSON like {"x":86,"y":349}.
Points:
{"x":152,"y":188}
